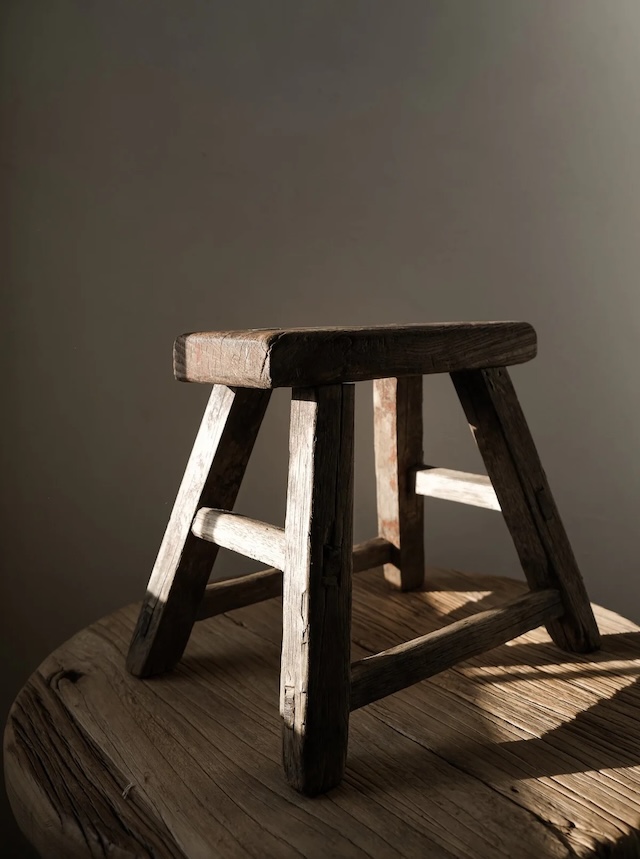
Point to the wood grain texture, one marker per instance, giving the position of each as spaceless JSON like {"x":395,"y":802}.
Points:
{"x":460,"y":486}
{"x":231,"y":594}
{"x":513,"y":465}
{"x":524,"y":752}
{"x":273,"y":358}
{"x":384,"y":673}
{"x":316,"y":603}
{"x":212,"y":479}
{"x":371,"y":553}
{"x":249,"y":537}
{"x":397,"y":424}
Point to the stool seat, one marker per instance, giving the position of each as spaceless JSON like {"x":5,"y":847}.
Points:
{"x":301,"y":357}
{"x":518,"y":753}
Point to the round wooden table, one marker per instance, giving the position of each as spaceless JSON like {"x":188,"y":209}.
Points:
{"x":524,"y":751}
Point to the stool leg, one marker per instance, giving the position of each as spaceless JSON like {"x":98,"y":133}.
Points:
{"x":212,"y":479}
{"x":512,"y":463}
{"x":397,"y":423}
{"x":315,"y":678}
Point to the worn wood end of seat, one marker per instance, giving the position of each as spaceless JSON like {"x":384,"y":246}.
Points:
{"x":299,"y":357}
{"x":521,"y":753}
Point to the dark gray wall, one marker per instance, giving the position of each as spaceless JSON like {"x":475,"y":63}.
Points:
{"x":170,"y":166}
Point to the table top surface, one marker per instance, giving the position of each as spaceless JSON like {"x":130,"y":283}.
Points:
{"x":524,"y":751}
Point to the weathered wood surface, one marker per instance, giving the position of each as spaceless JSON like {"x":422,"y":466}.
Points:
{"x":212,"y":478}
{"x":254,"y":539}
{"x":391,"y":670}
{"x":213,"y":475}
{"x":316,"y":598}
{"x":294,"y":357}
{"x":524,"y":752}
{"x":245,"y":590}
{"x":513,"y":465}
{"x":462,"y":486}
{"x":397,"y":438}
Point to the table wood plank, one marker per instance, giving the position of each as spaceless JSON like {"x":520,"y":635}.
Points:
{"x":523,"y":751}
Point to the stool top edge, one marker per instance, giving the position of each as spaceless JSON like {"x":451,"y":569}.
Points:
{"x":291,"y":357}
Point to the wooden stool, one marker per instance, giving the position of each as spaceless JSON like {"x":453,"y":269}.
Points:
{"x":318,"y":684}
